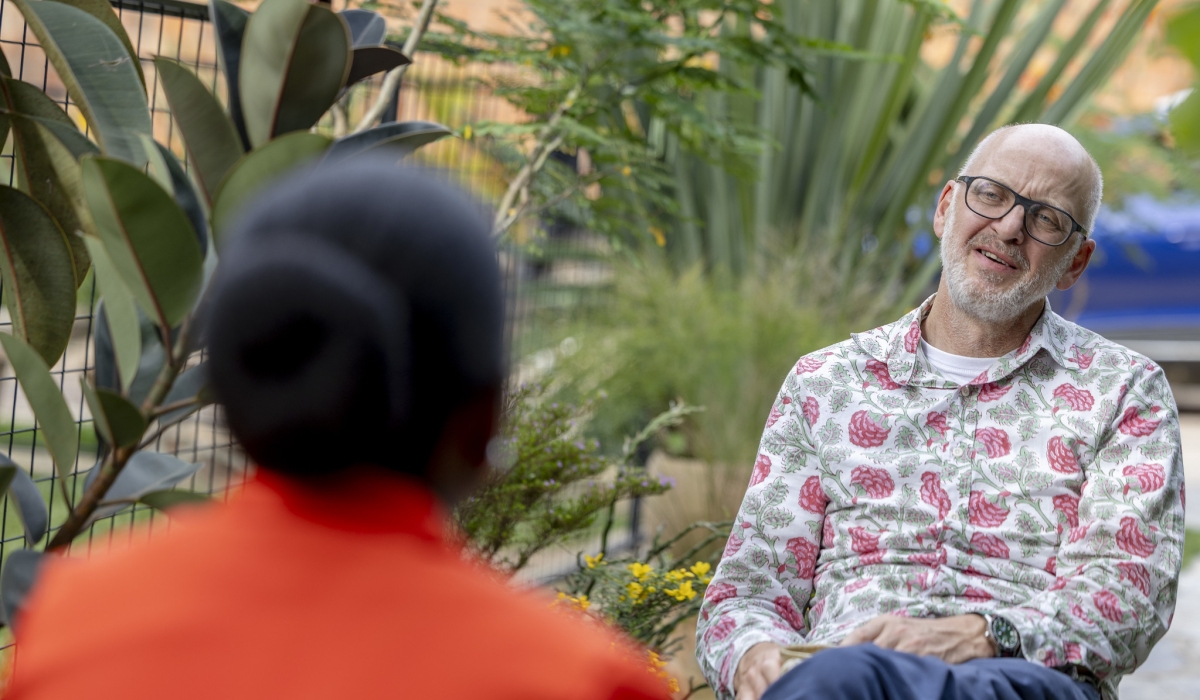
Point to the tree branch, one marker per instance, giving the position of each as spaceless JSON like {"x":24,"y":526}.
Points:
{"x":391,"y":82}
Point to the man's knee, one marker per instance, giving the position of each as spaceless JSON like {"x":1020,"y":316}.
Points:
{"x":857,"y":672}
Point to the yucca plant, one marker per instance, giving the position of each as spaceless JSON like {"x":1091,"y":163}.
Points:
{"x":859,"y":158}
{"x":123,"y":206}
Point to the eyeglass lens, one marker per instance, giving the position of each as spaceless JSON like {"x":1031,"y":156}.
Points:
{"x":1045,"y":223}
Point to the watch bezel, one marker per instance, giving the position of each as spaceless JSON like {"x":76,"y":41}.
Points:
{"x":1005,"y":634}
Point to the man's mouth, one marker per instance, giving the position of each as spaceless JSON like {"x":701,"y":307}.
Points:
{"x":996,"y":258}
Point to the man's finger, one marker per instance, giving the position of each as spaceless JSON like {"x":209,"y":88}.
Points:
{"x":866,"y":632}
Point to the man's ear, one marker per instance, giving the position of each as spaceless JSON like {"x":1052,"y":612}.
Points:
{"x":459,"y":460}
{"x":1078,"y":264}
{"x":945,"y":199}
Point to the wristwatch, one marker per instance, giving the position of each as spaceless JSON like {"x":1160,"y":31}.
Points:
{"x":1003,"y":634}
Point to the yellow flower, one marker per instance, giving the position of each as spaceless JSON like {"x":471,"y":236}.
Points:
{"x":656,"y":669}
{"x":581,"y":603}
{"x":593,"y":561}
{"x":559,"y":50}
{"x":637,"y":592}
{"x":701,"y":569}
{"x":467,"y":132}
{"x":684,"y":592}
{"x":627,"y":171}
{"x":640,"y":571}
{"x":677,"y":575}
{"x":659,"y":238}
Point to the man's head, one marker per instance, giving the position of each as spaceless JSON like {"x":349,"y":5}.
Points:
{"x":992,"y":268}
{"x":357,"y":318}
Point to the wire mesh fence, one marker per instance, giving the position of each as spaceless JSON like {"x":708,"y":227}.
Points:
{"x":432,"y":90}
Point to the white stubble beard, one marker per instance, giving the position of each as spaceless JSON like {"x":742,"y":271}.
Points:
{"x":981,"y":301}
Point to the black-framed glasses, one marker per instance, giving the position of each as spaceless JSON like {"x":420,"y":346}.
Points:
{"x":1043,"y":223}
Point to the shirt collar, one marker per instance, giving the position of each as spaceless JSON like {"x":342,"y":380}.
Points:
{"x":362,"y":499}
{"x":897,"y":345}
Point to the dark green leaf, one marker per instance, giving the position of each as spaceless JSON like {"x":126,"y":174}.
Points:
{"x":103,"y":11}
{"x":192,"y":384}
{"x":118,"y":332}
{"x":168,"y":500}
{"x":118,"y":420}
{"x":400,"y":138}
{"x":296,"y":58}
{"x":258,"y":168}
{"x":38,"y":274}
{"x":211,"y":139}
{"x":98,"y":72}
{"x":150,"y":240}
{"x":144,"y":473}
{"x":229,"y":23}
{"x":20,"y":572}
{"x":185,"y":196}
{"x":28,"y":499}
{"x":369,"y":60}
{"x":47,"y":402}
{"x":367,"y":28}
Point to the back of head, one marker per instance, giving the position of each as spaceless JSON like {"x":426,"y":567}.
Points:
{"x":356,"y":306}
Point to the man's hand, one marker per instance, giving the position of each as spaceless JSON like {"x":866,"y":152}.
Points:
{"x":952,"y":639}
{"x":758,"y":669}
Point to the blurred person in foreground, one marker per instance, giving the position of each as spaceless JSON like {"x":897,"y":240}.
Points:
{"x":980,"y":500}
{"x":355,"y":340}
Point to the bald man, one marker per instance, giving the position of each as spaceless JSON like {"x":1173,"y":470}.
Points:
{"x":980,"y":500}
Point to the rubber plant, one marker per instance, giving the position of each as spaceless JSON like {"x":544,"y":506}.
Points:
{"x":122,"y":206}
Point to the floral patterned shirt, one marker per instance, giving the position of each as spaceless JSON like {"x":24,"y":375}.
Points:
{"x":1048,"y":490}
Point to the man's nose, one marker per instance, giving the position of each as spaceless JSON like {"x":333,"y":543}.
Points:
{"x":1011,"y":226}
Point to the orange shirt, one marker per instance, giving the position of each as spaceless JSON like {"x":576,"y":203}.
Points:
{"x":290,"y":593}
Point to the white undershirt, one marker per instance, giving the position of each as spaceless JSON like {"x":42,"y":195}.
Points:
{"x":957,"y":368}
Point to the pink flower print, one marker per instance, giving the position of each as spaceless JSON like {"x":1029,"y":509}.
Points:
{"x":912,"y":339}
{"x":858,"y":585}
{"x":994,"y":440}
{"x":811,"y":409}
{"x":817,"y":608}
{"x":1069,"y":505}
{"x":930,"y":559}
{"x":762,"y":468}
{"x":1077,"y":610}
{"x":1133,"y":424}
{"x":981,"y":379}
{"x":772,"y":419}
{"x":1058,"y":585}
{"x":976,"y":595}
{"x":990,"y":545}
{"x":1025,"y":346}
{"x":809,"y":364}
{"x":1109,"y":605}
{"x":1078,"y":399}
{"x":866,"y":432}
{"x":1077,"y":533}
{"x":1150,"y":476}
{"x":805,"y":552}
{"x":871,"y":558}
{"x":993,"y":391}
{"x":812,"y":496}
{"x":880,"y":370}
{"x":1137,"y":574}
{"x":1131,"y":539}
{"x":984,"y":513}
{"x":787,"y":610}
{"x":937,"y":421}
{"x":733,"y":544}
{"x":1081,"y":358}
{"x":1061,"y":457}
{"x":721,"y":629}
{"x":718,"y":592}
{"x":1071,"y":649}
{"x":827,"y":534}
{"x":1052,"y":566}
{"x":862,"y":541}
{"x":876,"y":482}
{"x":933,"y":493}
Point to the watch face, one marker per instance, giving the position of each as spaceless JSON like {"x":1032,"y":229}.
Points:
{"x":1006,"y":635}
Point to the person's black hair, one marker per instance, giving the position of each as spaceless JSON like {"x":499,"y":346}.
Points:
{"x":355,"y":307}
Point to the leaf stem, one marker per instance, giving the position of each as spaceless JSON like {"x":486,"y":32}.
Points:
{"x":391,"y":82}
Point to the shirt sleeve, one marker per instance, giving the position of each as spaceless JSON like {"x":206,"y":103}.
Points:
{"x":765,"y":579}
{"x":1118,"y":567}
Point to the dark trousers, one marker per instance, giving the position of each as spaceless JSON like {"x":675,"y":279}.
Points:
{"x":866,"y":672}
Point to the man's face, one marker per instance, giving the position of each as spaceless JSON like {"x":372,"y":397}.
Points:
{"x":993,"y":269}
